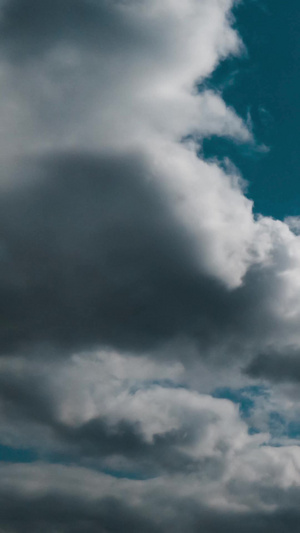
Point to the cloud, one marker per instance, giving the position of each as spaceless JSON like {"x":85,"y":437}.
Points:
{"x":76,"y":499}
{"x":135,"y":280}
{"x":293,"y":223}
{"x":145,"y":425}
{"x":176,"y":457}
{"x":95,"y":251}
{"x":276,"y":366}
{"x":175,"y":254}
{"x":104,"y":75}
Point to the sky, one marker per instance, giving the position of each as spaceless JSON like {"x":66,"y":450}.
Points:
{"x":149,"y":266}
{"x":265,"y":84}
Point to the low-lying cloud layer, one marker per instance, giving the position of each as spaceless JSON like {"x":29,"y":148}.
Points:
{"x":142,"y":303}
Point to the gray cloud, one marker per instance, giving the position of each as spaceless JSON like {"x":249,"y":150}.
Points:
{"x":30,"y":29}
{"x":67,"y":515}
{"x":98,"y":440}
{"x":91,"y":253}
{"x":277,"y":367}
{"x":32,"y":400}
{"x":54,"y":514}
{"x":58,"y":512}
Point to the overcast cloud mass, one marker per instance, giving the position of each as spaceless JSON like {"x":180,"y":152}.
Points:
{"x":149,"y":333}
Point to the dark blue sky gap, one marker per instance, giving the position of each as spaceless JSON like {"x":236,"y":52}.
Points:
{"x":266,"y":83}
{"x":17,"y":455}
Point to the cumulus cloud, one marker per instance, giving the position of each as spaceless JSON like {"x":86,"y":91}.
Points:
{"x":95,"y":251}
{"x":135,"y":280}
{"x":142,"y":452}
{"x":76,"y":499}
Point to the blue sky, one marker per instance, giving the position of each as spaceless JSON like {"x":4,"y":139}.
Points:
{"x":265,"y":82}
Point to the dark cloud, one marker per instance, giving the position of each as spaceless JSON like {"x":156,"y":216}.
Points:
{"x":91,"y":253}
{"x":168,"y":452}
{"x":56,"y":512}
{"x":59,"y":513}
{"x":29,"y":28}
{"x":106,"y":516}
{"x":90,"y":250}
{"x":24,"y":398}
{"x":278,"y":367}
{"x":28,"y":399}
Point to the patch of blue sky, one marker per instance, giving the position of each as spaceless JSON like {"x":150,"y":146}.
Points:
{"x":244,"y":397}
{"x":282,"y":430}
{"x":278,"y":425}
{"x":9,"y":454}
{"x":124,"y":474}
{"x":264,"y":84}
{"x":294,"y":429}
